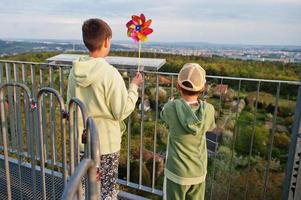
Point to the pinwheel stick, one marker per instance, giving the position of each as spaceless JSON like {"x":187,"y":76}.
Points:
{"x":139,"y":53}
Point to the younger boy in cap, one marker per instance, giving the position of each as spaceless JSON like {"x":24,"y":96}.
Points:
{"x":188,"y":119}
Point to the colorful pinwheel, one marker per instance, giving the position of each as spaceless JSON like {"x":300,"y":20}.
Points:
{"x":138,"y":28}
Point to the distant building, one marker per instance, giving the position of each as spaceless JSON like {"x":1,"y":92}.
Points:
{"x":150,"y":64}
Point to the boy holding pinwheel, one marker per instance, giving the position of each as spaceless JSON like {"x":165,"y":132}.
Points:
{"x":102,"y":89}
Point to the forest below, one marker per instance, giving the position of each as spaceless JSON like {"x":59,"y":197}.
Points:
{"x":213,"y":66}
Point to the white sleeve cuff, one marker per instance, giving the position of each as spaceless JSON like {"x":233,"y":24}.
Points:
{"x":133,"y":87}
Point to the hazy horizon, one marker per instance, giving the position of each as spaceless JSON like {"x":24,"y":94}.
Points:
{"x":148,"y":43}
{"x":256,"y":22}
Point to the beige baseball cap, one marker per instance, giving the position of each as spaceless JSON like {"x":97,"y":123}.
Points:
{"x":194,"y":74}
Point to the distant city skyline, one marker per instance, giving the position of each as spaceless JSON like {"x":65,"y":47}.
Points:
{"x":256,"y":22}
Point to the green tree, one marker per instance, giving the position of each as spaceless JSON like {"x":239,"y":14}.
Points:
{"x":260,"y":140}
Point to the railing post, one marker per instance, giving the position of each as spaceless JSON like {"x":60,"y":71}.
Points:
{"x":271,"y":142}
{"x":42,"y":143}
{"x":3,"y":109}
{"x":94,"y":186}
{"x":74,"y":104}
{"x":291,"y":182}
{"x":141,"y":132}
{"x":5,"y":144}
{"x":1,"y":73}
{"x":87,"y":165}
{"x":128,"y":161}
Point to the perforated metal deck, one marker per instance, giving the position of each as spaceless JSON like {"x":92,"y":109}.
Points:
{"x":54,"y":183}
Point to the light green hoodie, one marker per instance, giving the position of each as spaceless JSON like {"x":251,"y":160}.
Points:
{"x":186,"y":162}
{"x":102,"y":89}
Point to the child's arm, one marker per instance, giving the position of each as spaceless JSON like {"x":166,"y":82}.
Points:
{"x":211,"y":119}
{"x":122,"y":101}
{"x":163,"y":114}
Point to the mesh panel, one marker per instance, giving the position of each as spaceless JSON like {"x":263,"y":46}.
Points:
{"x":196,"y":78}
{"x":26,"y":187}
{"x":184,"y":73}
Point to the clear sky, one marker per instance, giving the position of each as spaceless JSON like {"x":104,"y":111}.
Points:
{"x":214,"y":21}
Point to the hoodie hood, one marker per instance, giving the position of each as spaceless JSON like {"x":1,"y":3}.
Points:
{"x":86,"y":70}
{"x":190,"y":120}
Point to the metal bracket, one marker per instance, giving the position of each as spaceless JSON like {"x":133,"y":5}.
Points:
{"x":84,"y":136}
{"x":65,"y":115}
{"x":33,"y":105}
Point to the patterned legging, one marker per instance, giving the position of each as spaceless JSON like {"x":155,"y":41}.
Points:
{"x":109,"y":175}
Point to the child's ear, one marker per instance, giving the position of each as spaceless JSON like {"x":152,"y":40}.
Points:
{"x":106,"y":43}
{"x":178,"y":87}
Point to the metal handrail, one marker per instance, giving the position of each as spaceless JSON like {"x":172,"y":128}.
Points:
{"x":231,"y":78}
{"x":41,"y":134}
{"x":93,"y":135}
{"x":35,"y":136}
{"x":164,"y":73}
{"x":33,"y":63}
{"x":72,"y":105}
{"x":4,"y":130}
{"x":85,"y":166}
{"x":88,"y":165}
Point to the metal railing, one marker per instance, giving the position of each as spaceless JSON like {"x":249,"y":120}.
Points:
{"x":18,"y":142}
{"x":266,"y":116}
{"x":292,"y":183}
{"x":88,"y":165}
{"x":25,"y":144}
{"x":85,"y":166}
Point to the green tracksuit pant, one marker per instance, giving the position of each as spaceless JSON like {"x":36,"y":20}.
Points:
{"x":175,"y":191}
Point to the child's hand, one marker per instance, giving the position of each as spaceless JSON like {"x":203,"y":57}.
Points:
{"x":171,"y":98}
{"x":137,"y":79}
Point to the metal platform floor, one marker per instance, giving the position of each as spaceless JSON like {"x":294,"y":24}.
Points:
{"x":54,"y":183}
{"x":25,"y":187}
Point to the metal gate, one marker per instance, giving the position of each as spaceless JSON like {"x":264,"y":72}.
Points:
{"x":36,"y":163}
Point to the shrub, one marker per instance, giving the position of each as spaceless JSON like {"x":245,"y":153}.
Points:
{"x":260,"y":141}
{"x":281,"y":140}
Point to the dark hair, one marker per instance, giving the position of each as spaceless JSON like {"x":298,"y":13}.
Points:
{"x":187,"y":92}
{"x":95,"y":31}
